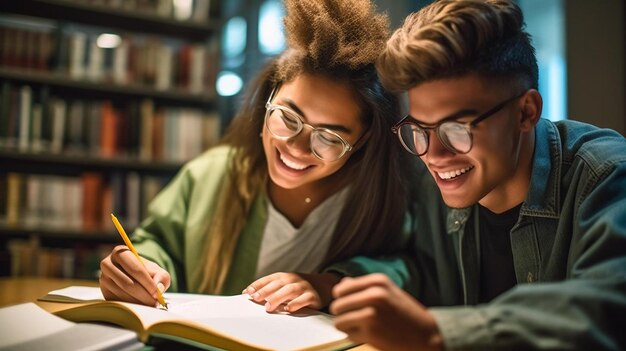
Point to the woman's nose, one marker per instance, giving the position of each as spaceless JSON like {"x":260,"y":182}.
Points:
{"x":301,"y":142}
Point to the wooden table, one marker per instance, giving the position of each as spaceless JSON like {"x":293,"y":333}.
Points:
{"x":29,"y":289}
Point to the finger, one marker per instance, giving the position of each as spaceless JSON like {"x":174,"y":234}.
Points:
{"x":369,"y":297}
{"x":113,"y":272}
{"x":355,"y":323}
{"x":351,"y":285}
{"x":123,"y":264}
{"x":126,"y":261}
{"x":283,"y":295}
{"x":122,"y":294}
{"x":111,"y":291}
{"x":269,"y":289}
{"x":307,"y":299}
{"x":260,"y":283}
{"x":160,"y":276}
{"x":160,"y":286}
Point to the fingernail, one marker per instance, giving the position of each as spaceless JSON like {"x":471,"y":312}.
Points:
{"x":268,"y":306}
{"x":161,"y":287}
{"x":256,"y":295}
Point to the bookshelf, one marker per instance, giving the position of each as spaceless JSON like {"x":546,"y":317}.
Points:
{"x":89,"y":128}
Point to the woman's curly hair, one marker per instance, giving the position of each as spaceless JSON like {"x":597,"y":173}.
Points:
{"x":331,"y":36}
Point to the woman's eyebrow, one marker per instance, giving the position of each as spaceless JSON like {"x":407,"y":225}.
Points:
{"x":335,"y":127}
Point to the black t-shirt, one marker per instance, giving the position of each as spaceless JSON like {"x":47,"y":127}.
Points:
{"x":497,"y":273}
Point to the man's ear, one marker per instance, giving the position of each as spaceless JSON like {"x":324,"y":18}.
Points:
{"x":532,"y":104}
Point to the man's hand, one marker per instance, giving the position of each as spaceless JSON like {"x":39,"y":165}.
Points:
{"x":373,"y":310}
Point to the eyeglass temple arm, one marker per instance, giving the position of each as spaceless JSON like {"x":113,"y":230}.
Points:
{"x":495,"y":109}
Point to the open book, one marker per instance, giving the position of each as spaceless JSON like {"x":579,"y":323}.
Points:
{"x":54,"y":333}
{"x":226,"y":322}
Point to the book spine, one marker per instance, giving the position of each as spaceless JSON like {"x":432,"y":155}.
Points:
{"x":92,"y":185}
{"x":14,"y":198}
{"x":108,"y":131}
{"x":58,"y":125}
{"x":37,"y":141}
{"x":77,"y":48}
{"x":5,"y":110}
{"x":95,"y":68}
{"x":197,"y":69}
{"x":120,"y":63}
{"x":147,"y":116}
{"x":164,"y":68}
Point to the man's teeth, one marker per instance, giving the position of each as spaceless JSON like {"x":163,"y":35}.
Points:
{"x":292,"y":164}
{"x":453,"y":174}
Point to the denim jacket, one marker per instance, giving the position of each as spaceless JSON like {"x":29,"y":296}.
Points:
{"x":569,"y":253}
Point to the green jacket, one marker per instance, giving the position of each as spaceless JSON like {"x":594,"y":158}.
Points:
{"x":175,"y":232}
{"x":569,"y":253}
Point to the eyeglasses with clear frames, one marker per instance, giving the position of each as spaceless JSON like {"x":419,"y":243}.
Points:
{"x":284,"y":123}
{"x":455,"y":136}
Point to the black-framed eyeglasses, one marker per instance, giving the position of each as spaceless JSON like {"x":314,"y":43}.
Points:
{"x":284,"y":123}
{"x":454,"y":135}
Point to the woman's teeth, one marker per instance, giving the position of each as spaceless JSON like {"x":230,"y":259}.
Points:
{"x":453,"y":174}
{"x":292,"y":165}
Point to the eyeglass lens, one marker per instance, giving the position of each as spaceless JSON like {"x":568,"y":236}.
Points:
{"x":455,"y":136}
{"x":325,"y":145}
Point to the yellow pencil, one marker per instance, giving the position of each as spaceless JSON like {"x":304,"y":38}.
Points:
{"x":120,"y":230}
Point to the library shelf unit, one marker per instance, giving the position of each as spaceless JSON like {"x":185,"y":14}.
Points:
{"x":61,"y":82}
{"x":87,"y":130}
{"x":22,"y":162}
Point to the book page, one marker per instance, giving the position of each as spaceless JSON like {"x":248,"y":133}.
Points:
{"x":247,"y":321}
{"x":74,"y":294}
{"x":21,"y":318}
{"x":29,"y":327}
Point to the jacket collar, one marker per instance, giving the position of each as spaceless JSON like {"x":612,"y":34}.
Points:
{"x":543,"y":194}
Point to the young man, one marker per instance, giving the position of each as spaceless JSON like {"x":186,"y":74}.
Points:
{"x":520,"y":232}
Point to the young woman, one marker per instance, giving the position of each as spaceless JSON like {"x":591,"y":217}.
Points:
{"x":307,"y":174}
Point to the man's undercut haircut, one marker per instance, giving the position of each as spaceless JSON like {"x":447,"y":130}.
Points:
{"x":450,"y":39}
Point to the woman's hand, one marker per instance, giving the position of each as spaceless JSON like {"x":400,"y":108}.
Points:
{"x":290,"y":292}
{"x":124,"y":278}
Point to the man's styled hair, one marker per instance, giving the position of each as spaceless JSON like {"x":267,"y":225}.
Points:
{"x":449,"y":39}
{"x":341,"y":40}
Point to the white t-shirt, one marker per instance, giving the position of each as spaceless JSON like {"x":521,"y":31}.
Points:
{"x":288,"y":249}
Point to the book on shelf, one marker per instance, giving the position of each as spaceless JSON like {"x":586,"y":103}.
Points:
{"x":30,"y":258}
{"x":33,"y":121}
{"x":143,"y":60}
{"x":226,"y":322}
{"x":55,"y":333}
{"x":41,"y":202}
